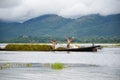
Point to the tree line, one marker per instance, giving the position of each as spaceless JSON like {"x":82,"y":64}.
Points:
{"x":30,"y":39}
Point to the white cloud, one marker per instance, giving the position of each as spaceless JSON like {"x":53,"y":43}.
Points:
{"x":9,"y":3}
{"x":22,"y":10}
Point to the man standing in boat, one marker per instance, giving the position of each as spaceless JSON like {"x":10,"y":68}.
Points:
{"x":68,"y":42}
{"x":53,"y":43}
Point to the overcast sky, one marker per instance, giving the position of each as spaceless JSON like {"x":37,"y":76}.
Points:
{"x":22,"y":10}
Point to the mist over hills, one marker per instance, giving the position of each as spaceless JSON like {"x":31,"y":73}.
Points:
{"x":53,"y":26}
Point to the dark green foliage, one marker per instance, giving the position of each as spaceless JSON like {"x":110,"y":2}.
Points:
{"x":96,"y":39}
{"x":57,"y":66}
{"x":28,"y":47}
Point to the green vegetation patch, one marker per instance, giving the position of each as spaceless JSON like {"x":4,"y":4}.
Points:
{"x":28,"y":47}
{"x":57,"y":66}
{"x":28,"y":65}
{"x":12,"y":65}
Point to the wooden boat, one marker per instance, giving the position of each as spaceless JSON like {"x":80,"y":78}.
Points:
{"x":81,"y":49}
{"x":2,"y":49}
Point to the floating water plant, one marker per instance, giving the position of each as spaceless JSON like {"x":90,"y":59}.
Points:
{"x":57,"y":66}
{"x":5,"y":66}
{"x":28,"y":65}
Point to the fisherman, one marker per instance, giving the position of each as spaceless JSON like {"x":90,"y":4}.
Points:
{"x":53,"y":43}
{"x":68,"y":42}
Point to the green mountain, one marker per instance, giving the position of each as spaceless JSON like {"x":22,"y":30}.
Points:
{"x":53,"y":26}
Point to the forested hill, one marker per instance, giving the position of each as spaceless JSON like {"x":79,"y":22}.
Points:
{"x":58,"y":27}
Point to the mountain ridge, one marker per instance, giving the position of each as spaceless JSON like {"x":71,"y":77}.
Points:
{"x":56,"y":26}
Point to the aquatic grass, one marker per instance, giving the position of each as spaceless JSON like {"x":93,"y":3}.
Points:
{"x":28,"y":47}
{"x":5,"y":66}
{"x":11,"y":65}
{"x":28,"y":65}
{"x":57,"y":66}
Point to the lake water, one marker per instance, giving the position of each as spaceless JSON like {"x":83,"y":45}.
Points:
{"x":101,"y":65}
